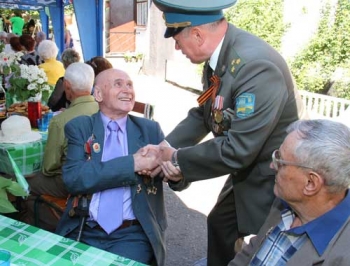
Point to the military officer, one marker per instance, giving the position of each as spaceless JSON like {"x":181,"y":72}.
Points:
{"x":248,"y":100}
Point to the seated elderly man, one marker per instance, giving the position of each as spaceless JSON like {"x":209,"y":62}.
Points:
{"x":126,"y":215}
{"x":309,"y":223}
{"x":78,"y":81}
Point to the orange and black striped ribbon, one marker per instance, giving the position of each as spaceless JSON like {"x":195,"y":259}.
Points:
{"x":211,"y":91}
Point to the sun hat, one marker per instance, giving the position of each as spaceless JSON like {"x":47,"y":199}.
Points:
{"x":17,"y":129}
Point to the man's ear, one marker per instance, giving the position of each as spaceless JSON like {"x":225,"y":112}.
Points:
{"x":198,"y":35}
{"x":314,"y":183}
{"x":98,"y":94}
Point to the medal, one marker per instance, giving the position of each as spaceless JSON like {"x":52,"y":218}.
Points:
{"x":96,"y":147}
{"x":218,"y":116}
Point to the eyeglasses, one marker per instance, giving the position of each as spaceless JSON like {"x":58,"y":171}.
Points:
{"x":278,"y":162}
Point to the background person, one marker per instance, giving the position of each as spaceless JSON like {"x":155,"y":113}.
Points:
{"x":31,"y":57}
{"x":78,"y":81}
{"x":309,"y":223}
{"x":247,"y":104}
{"x":16,"y":22}
{"x":58,"y":99}
{"x":39,"y":37}
{"x":104,"y":165}
{"x":53,"y":68}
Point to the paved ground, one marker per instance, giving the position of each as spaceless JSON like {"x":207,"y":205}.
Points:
{"x":187,"y":210}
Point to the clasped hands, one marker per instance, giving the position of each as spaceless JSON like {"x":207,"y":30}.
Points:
{"x":153,"y":160}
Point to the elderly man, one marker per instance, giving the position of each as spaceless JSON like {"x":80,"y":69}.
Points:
{"x":309,"y":223}
{"x":248,"y":100}
{"x":126,"y":215}
{"x":78,"y":82}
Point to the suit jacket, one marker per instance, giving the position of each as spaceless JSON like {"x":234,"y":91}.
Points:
{"x":82,"y":176}
{"x":247,"y":66}
{"x":337,"y":252}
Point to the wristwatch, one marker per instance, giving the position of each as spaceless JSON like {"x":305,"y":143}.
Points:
{"x":174,"y":159}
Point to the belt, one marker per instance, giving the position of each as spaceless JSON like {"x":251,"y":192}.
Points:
{"x":125,"y":224}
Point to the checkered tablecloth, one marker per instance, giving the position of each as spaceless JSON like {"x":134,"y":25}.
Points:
{"x":28,"y":157}
{"x":19,"y":160}
{"x":32,"y":246}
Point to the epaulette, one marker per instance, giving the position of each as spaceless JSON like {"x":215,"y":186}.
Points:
{"x":235,"y":63}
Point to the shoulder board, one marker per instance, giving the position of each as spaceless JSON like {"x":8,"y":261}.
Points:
{"x":235,"y":63}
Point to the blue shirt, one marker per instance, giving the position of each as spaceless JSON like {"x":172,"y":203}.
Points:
{"x":282,"y":241}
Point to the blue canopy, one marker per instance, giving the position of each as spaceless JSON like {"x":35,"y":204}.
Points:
{"x":89,"y":16}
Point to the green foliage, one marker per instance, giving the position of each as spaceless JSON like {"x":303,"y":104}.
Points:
{"x":263,"y":18}
{"x":327,"y":53}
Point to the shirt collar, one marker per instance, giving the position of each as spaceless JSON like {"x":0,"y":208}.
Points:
{"x":215,"y":56}
{"x":121,"y":122}
{"x":324,"y":228}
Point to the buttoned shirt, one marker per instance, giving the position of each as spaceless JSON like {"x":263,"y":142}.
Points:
{"x":128,"y":213}
{"x":283,"y":241}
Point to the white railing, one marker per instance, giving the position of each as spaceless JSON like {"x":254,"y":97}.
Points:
{"x":319,"y":105}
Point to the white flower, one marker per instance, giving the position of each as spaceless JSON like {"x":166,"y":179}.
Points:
{"x":31,"y":86}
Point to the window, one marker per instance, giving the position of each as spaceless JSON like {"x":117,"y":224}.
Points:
{"x":141,"y":12}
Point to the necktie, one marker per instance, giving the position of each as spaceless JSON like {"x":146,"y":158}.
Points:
{"x":110,"y":210}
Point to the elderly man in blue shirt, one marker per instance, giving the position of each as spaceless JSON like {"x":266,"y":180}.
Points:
{"x":309,"y":221}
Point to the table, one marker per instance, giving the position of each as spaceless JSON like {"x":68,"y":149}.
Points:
{"x":32,"y":246}
{"x":21,"y":160}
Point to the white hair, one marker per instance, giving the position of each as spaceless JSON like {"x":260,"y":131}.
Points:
{"x":80,"y":76}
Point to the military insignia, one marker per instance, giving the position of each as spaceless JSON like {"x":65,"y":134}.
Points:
{"x":236,"y":63}
{"x":87,"y":146}
{"x":211,"y":91}
{"x":245,"y":105}
{"x":96,"y":147}
{"x":218,"y":116}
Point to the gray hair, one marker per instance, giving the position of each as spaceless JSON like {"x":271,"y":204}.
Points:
{"x":47,"y":49}
{"x":80,"y":76}
{"x":40,"y":36}
{"x":324,"y":145}
{"x":70,"y":56}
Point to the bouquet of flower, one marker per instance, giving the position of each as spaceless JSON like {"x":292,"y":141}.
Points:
{"x":9,"y":62}
{"x":29,"y":83}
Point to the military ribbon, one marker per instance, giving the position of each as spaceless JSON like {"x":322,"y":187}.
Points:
{"x":211,"y":91}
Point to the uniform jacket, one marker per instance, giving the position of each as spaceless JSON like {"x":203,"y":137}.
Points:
{"x":337,"y":252}
{"x":249,"y":69}
{"x":83,"y":176}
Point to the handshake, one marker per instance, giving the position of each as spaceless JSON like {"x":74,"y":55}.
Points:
{"x":153,"y":160}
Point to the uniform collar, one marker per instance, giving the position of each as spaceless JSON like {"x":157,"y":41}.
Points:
{"x":215,"y":56}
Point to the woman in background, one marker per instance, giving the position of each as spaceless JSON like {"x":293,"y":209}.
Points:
{"x":53,"y":68}
{"x":31,"y":57}
{"x":58,"y":100}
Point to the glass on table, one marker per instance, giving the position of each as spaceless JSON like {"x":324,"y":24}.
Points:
{"x":42,"y":124}
{"x":5,"y":257}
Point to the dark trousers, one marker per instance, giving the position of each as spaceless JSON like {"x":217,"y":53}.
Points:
{"x":44,"y":215}
{"x":222,"y":231}
{"x":130,"y":242}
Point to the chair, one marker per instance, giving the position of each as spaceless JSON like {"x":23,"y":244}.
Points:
{"x":58,"y":205}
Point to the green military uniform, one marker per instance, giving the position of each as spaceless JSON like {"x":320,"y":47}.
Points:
{"x":255,"y":101}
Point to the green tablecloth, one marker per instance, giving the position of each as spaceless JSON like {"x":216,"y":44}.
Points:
{"x":32,"y":246}
{"x":19,"y":160}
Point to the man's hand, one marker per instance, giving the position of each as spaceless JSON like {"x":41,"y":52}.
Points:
{"x":144,"y":164}
{"x":171,"y":172}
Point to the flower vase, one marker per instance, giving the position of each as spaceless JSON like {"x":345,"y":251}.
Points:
{"x":34,"y":110}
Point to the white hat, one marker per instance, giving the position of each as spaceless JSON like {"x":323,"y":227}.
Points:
{"x":16,"y":129}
